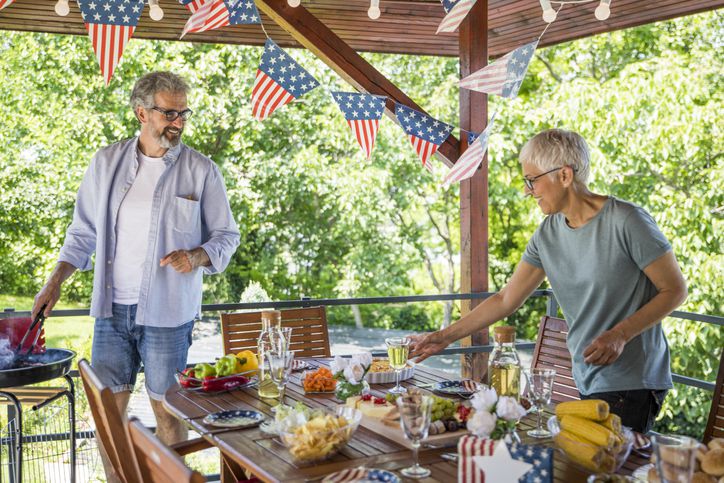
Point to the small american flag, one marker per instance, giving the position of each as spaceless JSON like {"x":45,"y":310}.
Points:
{"x":214,"y":14}
{"x":505,"y":76}
{"x":455,"y":12}
{"x":193,"y":5}
{"x":363,"y":113}
{"x":466,"y":165}
{"x":279,"y":80}
{"x":426,"y":133}
{"x":5,"y":3}
{"x":110,"y":25}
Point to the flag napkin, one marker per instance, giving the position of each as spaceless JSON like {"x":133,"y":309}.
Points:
{"x":110,"y":25}
{"x":455,"y":12}
{"x":472,"y":449}
{"x":279,"y":80}
{"x":466,"y":165}
{"x":214,"y":14}
{"x":363,"y":113}
{"x":426,"y":133}
{"x":503,"y":77}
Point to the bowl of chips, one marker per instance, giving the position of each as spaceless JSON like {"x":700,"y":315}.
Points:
{"x":322,"y":436}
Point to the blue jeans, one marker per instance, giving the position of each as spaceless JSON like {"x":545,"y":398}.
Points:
{"x":120,"y":346}
{"x":637,"y":409}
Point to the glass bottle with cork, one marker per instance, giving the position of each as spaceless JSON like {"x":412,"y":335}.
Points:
{"x":271,"y":320}
{"x":504,"y":366}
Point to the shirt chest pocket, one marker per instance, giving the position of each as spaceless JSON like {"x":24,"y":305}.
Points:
{"x":185,"y":215}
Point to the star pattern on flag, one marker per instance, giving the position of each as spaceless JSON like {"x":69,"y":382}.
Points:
{"x":455,"y":13}
{"x":5,"y":3}
{"x":279,"y":80}
{"x":468,"y":163}
{"x":193,"y":5}
{"x":214,"y":14}
{"x":540,"y":457}
{"x":426,"y":133}
{"x":363,"y":113}
{"x":110,"y":25}
{"x":505,"y":76}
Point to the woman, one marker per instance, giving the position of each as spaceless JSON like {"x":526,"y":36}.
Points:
{"x":612,"y":272}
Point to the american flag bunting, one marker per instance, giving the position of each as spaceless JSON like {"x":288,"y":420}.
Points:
{"x":214,"y":14}
{"x":110,"y":25}
{"x":426,"y":133}
{"x":505,"y":76}
{"x":279,"y":80}
{"x":193,"y":5}
{"x":363,"y":113}
{"x":5,"y":3}
{"x":466,"y":165}
{"x":455,"y":12}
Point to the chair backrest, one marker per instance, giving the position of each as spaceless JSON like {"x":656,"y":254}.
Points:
{"x":310,"y":337}
{"x":715,"y":425}
{"x":551,"y":352}
{"x":158,"y":463}
{"x":110,"y":424}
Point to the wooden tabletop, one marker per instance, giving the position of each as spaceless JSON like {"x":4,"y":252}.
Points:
{"x":268,"y":459}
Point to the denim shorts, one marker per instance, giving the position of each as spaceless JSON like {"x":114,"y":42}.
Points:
{"x":120,"y":346}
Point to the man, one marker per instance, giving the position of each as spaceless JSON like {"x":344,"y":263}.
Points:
{"x":611,"y":270}
{"x":156,"y":215}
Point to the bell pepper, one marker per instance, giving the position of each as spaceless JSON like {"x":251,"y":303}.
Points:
{"x":226,"y":365}
{"x":212,"y":384}
{"x":188,"y":378}
{"x":246,"y":361}
{"x":204,"y":370}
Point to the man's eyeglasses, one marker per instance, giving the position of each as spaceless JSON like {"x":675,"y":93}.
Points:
{"x":529,"y":181}
{"x":172,"y":115}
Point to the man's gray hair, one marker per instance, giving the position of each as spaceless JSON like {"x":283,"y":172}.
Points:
{"x":147,"y":86}
{"x":556,"y":148}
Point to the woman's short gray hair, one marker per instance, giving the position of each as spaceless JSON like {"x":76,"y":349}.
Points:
{"x":147,"y":86}
{"x":556,"y":148}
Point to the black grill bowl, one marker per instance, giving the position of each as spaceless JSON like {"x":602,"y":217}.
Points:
{"x":54,"y":363}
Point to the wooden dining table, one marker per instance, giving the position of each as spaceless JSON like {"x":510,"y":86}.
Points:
{"x":266,"y":458}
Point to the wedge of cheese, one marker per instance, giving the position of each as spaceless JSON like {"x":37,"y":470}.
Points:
{"x":370,"y":409}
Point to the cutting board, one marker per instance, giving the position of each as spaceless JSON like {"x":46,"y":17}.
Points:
{"x":396,"y":434}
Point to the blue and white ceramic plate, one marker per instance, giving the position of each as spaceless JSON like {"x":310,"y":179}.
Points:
{"x":234,"y":419}
{"x":462,"y":388}
{"x":361,"y":474}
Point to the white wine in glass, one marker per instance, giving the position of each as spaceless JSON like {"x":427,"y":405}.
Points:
{"x":398,"y":349}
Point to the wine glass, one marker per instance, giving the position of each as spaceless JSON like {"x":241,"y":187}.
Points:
{"x":540,"y":388}
{"x":281,"y":338}
{"x":415,"y":415}
{"x":398,"y":349}
{"x":280,"y":366}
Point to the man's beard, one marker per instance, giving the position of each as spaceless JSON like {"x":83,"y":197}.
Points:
{"x":165,"y":142}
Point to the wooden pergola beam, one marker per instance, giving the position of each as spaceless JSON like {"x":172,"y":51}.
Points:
{"x":345,"y":61}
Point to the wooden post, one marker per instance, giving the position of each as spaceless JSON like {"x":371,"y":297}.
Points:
{"x":474,"y":191}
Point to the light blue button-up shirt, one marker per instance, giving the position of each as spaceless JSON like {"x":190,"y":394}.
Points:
{"x":189,"y":209}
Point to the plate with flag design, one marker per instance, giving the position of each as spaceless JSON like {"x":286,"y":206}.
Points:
{"x":361,"y":474}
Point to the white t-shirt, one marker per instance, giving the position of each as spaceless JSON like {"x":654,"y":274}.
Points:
{"x":132,"y":228}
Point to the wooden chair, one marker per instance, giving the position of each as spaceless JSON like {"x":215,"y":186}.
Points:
{"x":158,"y":463}
{"x":551,"y":352}
{"x":310,"y":337}
{"x":715,"y":425}
{"x":111,"y":427}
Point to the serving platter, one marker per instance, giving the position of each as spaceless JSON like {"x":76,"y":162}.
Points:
{"x":462,"y":388}
{"x":389,"y":377}
{"x":395,"y":433}
{"x":238,"y":418}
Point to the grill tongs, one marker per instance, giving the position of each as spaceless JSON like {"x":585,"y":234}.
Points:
{"x":38,"y":321}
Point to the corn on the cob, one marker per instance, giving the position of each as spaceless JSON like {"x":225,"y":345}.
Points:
{"x":580,"y":450}
{"x":613,"y":422}
{"x":589,"y":430}
{"x":594,"y":409}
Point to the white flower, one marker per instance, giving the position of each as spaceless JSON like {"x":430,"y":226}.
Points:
{"x":482,"y":424}
{"x":509,"y":409}
{"x":338,"y":364}
{"x":484,"y":399}
{"x":364,"y":359}
{"x":353,"y":373}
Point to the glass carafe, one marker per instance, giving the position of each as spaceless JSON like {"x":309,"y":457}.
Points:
{"x":504,"y":366}
{"x":271,"y":321}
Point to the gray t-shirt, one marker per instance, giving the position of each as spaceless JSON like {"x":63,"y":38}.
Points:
{"x":596,"y":273}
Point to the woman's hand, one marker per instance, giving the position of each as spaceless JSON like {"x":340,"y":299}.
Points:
{"x":423,"y":346}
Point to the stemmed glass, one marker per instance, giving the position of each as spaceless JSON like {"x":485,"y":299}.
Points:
{"x":281,"y":338}
{"x":540,"y":388}
{"x":280,"y":366}
{"x":398,"y":349}
{"x":415,"y":415}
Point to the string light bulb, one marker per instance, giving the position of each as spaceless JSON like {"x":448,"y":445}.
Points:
{"x":603,"y":10}
{"x":156,"y":12}
{"x":62,"y":8}
{"x":294,"y":3}
{"x":374,"y":11}
{"x":549,"y":15}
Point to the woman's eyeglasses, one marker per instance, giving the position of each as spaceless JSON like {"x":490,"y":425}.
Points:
{"x":529,"y":181}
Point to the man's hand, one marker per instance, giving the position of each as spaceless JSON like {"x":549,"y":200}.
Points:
{"x":423,"y":346}
{"x":605,"y":348}
{"x":185,"y":261}
{"x":48,"y":296}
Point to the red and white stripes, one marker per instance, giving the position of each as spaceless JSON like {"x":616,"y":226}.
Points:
{"x":455,"y":16}
{"x":267,"y":96}
{"x":210,"y":15}
{"x":108,"y":43}
{"x":365,"y":131}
